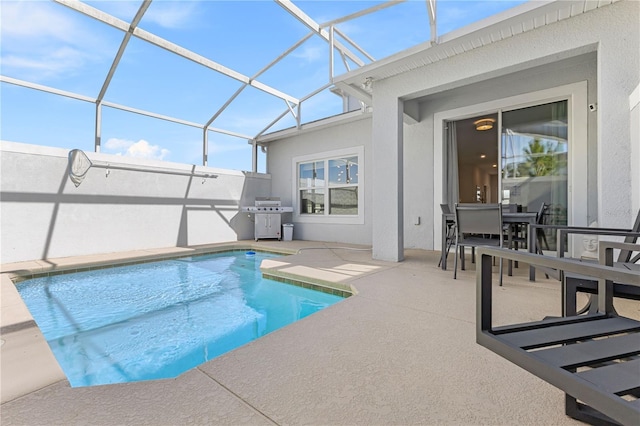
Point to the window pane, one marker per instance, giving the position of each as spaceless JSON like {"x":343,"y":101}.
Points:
{"x":312,"y":201}
{"x":343,"y":200}
{"x":343,"y":170}
{"x":534,"y":161}
{"x":311,"y":174}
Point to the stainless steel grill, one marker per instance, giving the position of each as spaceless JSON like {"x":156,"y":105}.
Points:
{"x":268,"y":222}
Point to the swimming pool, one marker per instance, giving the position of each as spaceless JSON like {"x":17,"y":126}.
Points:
{"x":157,"y":320}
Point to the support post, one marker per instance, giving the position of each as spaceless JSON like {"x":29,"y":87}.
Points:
{"x":98,"y":135}
{"x":205,"y":147}
{"x":387,"y":211}
{"x":254,"y":156}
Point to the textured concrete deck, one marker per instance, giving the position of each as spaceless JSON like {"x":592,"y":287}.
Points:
{"x":401,"y":351}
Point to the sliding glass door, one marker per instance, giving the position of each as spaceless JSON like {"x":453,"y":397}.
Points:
{"x":534,"y":158}
{"x":521,"y":160}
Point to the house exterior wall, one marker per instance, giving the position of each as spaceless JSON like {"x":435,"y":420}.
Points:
{"x":582,"y":68}
{"x":582,"y":49}
{"x":281,"y":167}
{"x":418,"y":187}
{"x":634,"y":123}
{"x":43,"y":215}
{"x":617,"y":66}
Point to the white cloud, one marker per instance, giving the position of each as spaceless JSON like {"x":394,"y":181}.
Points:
{"x":140,"y":149}
{"x":312,"y":53}
{"x":35,"y":20}
{"x":44,"y":41}
{"x":49,"y":64}
{"x":39,"y":41}
{"x":351,"y":28}
{"x":116,"y":144}
{"x":171,"y":14}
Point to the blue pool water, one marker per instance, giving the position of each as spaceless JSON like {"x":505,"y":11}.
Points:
{"x":158,"y":320}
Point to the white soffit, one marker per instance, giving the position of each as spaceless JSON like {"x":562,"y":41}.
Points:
{"x":526,"y":17}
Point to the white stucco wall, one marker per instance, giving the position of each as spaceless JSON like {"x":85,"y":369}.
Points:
{"x":321,"y":140}
{"x":580,"y":49}
{"x":619,"y":75}
{"x":418,"y":189}
{"x":503,"y":65}
{"x":582,"y":68}
{"x":43,"y":215}
{"x":634,"y":124}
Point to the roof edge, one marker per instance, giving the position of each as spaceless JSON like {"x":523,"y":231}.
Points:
{"x":483,"y":26}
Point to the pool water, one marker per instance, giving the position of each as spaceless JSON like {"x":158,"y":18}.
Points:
{"x":157,"y":320}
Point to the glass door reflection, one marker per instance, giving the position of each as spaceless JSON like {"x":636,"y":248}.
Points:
{"x":534,"y":161}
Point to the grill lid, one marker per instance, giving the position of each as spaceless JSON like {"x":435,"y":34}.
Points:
{"x":267,"y":202}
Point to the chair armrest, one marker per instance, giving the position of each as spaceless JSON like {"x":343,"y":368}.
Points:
{"x":579,"y":228}
{"x":605,"y":286}
{"x":594,"y":270}
{"x":563,"y":232}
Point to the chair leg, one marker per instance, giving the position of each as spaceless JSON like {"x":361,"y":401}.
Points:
{"x":455,"y":262}
{"x":569,"y":288}
{"x":462,"y":257}
{"x":448,"y":248}
{"x":542,"y":238}
{"x":584,"y":413}
{"x":443,"y":255}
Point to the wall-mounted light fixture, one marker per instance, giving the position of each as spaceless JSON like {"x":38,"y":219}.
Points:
{"x":367,"y":83}
{"x":484,"y":124}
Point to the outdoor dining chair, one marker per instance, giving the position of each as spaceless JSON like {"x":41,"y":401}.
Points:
{"x":517,"y":234}
{"x":477,"y":225}
{"x":450,"y":235}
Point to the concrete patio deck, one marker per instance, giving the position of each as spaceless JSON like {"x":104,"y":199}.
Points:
{"x":401,"y":351}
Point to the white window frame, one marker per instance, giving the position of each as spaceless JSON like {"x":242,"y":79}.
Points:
{"x":358,"y":219}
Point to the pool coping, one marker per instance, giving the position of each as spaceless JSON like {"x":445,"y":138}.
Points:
{"x":402,"y":352}
{"x":33,"y":365}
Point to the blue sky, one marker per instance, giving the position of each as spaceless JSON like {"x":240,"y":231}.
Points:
{"x":49,"y":44}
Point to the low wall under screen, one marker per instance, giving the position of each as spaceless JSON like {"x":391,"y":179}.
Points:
{"x":133,"y":204}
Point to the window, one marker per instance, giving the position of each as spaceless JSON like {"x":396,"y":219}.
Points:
{"x":311,"y":182}
{"x":329,"y":187}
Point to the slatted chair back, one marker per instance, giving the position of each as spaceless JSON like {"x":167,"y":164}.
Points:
{"x":478,"y":225}
{"x":479,"y":219}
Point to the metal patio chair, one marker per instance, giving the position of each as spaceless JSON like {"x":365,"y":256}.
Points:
{"x":593,"y":358}
{"x":517,"y":237}
{"x":450,"y":236}
{"x":575,"y":282}
{"x":477,"y":225}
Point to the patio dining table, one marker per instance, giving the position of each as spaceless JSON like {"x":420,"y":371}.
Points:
{"x":511,"y":218}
